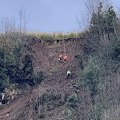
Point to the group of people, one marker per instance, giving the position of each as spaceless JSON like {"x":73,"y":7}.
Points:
{"x":64,"y":59}
{"x":61,"y":58}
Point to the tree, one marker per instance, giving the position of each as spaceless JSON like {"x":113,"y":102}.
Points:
{"x":110,"y":22}
{"x":8,"y":24}
{"x":91,"y":6}
{"x":23,"y":20}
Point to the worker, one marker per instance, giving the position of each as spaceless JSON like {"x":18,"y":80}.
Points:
{"x":60,"y":58}
{"x":68,"y":74}
{"x":65,"y":59}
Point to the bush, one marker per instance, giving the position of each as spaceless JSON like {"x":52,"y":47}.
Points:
{"x":96,"y":112}
{"x":16,"y":66}
{"x":116,"y":51}
{"x":72,"y":101}
{"x":39,"y":77}
{"x":91,"y":75}
{"x":4,"y":71}
{"x":44,"y":104}
{"x":71,"y":114}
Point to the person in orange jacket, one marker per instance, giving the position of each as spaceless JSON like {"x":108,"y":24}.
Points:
{"x":60,"y":58}
{"x":65,"y":58}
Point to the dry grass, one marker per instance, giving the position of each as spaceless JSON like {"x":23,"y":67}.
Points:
{"x":55,"y":36}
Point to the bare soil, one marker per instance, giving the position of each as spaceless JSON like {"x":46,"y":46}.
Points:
{"x":46,"y":59}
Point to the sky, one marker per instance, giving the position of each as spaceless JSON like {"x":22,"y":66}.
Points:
{"x":47,"y":16}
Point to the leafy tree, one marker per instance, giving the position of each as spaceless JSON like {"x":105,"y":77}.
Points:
{"x":110,"y":20}
{"x":102,"y":32}
{"x":16,"y":67}
{"x":91,"y":76}
{"x":96,"y":22}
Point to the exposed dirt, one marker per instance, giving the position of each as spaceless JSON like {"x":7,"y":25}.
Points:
{"x":46,"y":59}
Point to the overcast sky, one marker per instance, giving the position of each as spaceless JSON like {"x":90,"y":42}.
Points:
{"x":47,"y":15}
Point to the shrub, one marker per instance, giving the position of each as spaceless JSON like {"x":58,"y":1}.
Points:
{"x":81,"y":61}
{"x":44,"y":104}
{"x":72,"y":101}
{"x":27,"y":70}
{"x":4,"y":71}
{"x":39,"y":77}
{"x":71,"y":114}
{"x":116,"y":51}
{"x":16,"y":66}
{"x":91,"y":75}
{"x":96,"y":112}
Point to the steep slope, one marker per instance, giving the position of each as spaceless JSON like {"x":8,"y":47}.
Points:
{"x":45,"y":57}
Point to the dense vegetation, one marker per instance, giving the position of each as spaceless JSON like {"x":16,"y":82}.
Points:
{"x":100,"y":64}
{"x":15,"y":62}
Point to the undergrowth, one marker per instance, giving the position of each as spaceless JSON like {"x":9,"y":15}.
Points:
{"x":44,"y":105}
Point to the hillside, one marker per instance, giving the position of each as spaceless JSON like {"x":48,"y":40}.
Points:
{"x":46,"y":59}
{"x":91,"y":93}
{"x":34,"y":84}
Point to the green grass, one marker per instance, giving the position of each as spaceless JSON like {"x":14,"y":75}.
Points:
{"x":55,"y":36}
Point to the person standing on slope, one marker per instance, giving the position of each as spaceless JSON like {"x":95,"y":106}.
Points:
{"x":68,"y":74}
{"x":65,"y":59}
{"x":60,"y":58}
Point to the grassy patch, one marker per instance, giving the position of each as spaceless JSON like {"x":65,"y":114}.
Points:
{"x":55,"y":36}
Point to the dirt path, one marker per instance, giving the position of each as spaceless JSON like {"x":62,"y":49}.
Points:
{"x":11,"y":109}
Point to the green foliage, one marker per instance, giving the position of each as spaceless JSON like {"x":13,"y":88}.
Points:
{"x":27,"y":69}
{"x":4,"y":77}
{"x":44,"y":104}
{"x":110,"y":20}
{"x":102,"y":30}
{"x":68,"y":114}
{"x":16,"y":66}
{"x":91,"y":75}
{"x":72,"y":35}
{"x":38,"y":78}
{"x":116,"y":50}
{"x":103,"y":44}
{"x":71,"y":114}
{"x":103,"y":21}
{"x":71,"y":107}
{"x":46,"y":37}
{"x":96,"y":28}
{"x":72,"y":101}
{"x":95,"y":114}
{"x":114,"y":58}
